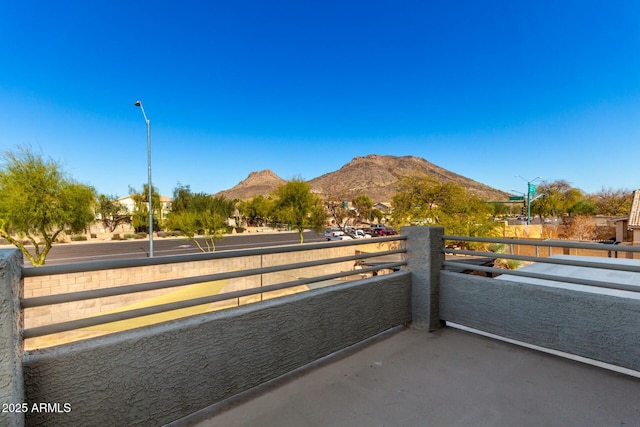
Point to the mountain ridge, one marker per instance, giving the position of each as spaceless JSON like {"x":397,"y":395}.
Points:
{"x":373,"y":175}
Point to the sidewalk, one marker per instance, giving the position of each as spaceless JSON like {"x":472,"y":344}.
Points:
{"x":447,"y":378}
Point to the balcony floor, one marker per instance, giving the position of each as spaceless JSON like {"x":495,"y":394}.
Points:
{"x":447,"y":378}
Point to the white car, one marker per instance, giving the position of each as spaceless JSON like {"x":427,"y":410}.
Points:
{"x":359,"y":234}
{"x":341,"y":237}
{"x":335,"y":234}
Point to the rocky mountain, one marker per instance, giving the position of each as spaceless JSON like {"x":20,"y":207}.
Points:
{"x":260,"y":183}
{"x":374,"y":175}
{"x":377,"y":177}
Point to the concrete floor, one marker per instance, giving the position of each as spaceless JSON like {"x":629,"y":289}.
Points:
{"x":447,"y":378}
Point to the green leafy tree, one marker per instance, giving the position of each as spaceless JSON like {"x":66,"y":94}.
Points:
{"x":378,"y":215}
{"x":181,"y":196}
{"x":500,"y":209}
{"x":364,"y":207}
{"x":422,"y":200}
{"x":559,"y":198}
{"x":200,"y":215}
{"x":38,"y":202}
{"x":140,"y":214}
{"x":297,"y":206}
{"x":583,"y":207}
{"x":257,"y":211}
{"x":111,"y":212}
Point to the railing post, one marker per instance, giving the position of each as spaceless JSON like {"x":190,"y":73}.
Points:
{"x":11,"y":323}
{"x":424,"y":260}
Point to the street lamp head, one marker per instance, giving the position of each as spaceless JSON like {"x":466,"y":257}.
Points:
{"x":138,"y":103}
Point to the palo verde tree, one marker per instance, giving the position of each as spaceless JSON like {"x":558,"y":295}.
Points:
{"x":422,"y":200}
{"x":560,"y":197}
{"x":38,"y":201}
{"x":111,"y":212}
{"x":200,"y":215}
{"x":364,"y":207}
{"x":339,"y":212}
{"x":297,"y":206}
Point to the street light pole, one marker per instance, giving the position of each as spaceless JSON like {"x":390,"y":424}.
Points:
{"x":139,"y":104}
{"x":531,"y":190}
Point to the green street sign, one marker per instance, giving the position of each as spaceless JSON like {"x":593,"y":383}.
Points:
{"x":516,"y":198}
{"x":532,"y":189}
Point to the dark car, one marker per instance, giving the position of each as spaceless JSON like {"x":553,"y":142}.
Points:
{"x":386,"y":232}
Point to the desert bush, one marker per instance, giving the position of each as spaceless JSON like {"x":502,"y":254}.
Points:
{"x":78,"y":238}
{"x":507,"y":264}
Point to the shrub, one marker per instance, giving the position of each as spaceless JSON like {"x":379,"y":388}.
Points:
{"x":94,"y":236}
{"x":239,"y":229}
{"x":129,"y":236}
{"x":498,"y":248}
{"x":140,"y":235}
{"x":508,"y":264}
{"x":78,"y":238}
{"x":116,"y":236}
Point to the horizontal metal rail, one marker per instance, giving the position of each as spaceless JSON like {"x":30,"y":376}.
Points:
{"x":546,"y":243}
{"x":142,"y":262}
{"x":150,"y":286}
{"x":546,"y":260}
{"x":460,"y":264}
{"x":114,"y":317}
{"x":566,"y":279}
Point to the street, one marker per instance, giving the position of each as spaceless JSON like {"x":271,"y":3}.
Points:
{"x":67,"y":253}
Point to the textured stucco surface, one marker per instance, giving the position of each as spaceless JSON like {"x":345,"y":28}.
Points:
{"x":11,"y":386}
{"x":160,"y":373}
{"x":424,"y":260}
{"x":600,"y":327}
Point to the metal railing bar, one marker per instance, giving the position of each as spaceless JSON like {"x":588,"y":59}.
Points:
{"x":560,"y":261}
{"x":115,"y":317}
{"x":150,"y":286}
{"x":577,"y":281}
{"x":546,"y":243}
{"x":161,"y":260}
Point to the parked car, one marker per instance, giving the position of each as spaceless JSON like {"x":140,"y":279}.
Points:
{"x":341,"y":237}
{"x":360,"y":234}
{"x":386,"y":232}
{"x":332,"y":233}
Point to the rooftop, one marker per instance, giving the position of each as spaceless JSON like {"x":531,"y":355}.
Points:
{"x":450,"y":377}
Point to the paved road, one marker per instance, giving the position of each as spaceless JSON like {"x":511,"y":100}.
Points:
{"x":83,"y":252}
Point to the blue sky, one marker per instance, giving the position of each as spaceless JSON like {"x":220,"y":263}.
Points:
{"x":489,"y":90}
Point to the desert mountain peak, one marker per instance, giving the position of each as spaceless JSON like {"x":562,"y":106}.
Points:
{"x":260,"y":183}
{"x":374,"y":175}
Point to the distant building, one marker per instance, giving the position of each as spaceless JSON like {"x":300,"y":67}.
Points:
{"x":165,"y":205}
{"x":385,"y":207}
